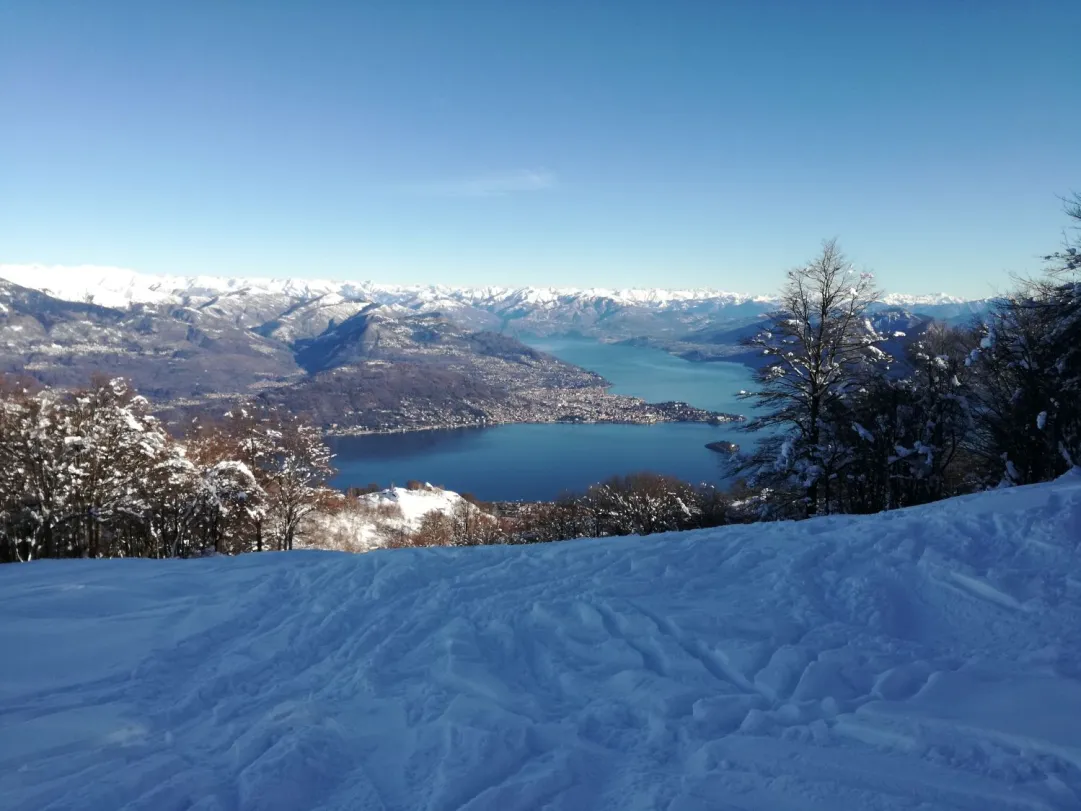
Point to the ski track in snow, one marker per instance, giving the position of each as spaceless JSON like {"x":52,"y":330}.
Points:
{"x":923,"y":659}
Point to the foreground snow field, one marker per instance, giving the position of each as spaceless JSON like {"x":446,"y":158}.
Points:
{"x":922,"y":659}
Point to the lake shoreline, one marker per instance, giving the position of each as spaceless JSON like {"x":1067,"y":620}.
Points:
{"x":540,"y":456}
{"x":719,"y":420}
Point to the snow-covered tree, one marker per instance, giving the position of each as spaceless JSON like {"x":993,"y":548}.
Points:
{"x":75,"y":468}
{"x":911,"y":430}
{"x":294,"y":474}
{"x":472,"y":526}
{"x":288,"y":458}
{"x":642,"y":504}
{"x":1025,"y":417}
{"x":818,"y":347}
{"x":17,"y":525}
{"x":567,"y":517}
{"x":92,"y":473}
{"x":1061,"y":295}
{"x":113,"y":443}
{"x":436,"y":529}
{"x":1028,"y":368}
{"x":241,"y":435}
{"x":171,"y":492}
{"x":231,"y":502}
{"x":1066,"y":261}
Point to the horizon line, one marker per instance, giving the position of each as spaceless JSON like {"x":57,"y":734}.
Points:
{"x":25,"y":267}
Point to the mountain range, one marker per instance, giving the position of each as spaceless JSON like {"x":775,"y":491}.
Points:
{"x":367,"y":356}
{"x":351,"y":363}
{"x":307,"y":305}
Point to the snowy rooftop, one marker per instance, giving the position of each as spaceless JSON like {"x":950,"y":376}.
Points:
{"x":927,"y":659}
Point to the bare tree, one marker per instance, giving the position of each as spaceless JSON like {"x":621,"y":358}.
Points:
{"x":1067,"y":260}
{"x":818,"y":345}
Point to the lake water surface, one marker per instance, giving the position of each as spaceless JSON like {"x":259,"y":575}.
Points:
{"x":539,"y":462}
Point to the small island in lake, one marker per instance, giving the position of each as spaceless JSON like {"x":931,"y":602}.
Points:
{"x":723,"y":447}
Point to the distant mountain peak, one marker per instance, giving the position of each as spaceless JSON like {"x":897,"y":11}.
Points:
{"x":119,"y":287}
{"x":296,"y":311}
{"x":916,"y":300}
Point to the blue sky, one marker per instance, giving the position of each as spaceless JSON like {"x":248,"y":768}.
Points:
{"x":563,"y":142}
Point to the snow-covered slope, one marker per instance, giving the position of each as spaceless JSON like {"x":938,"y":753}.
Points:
{"x":174,"y":351}
{"x":414,"y":504}
{"x":924,"y":659}
{"x":371,"y":521}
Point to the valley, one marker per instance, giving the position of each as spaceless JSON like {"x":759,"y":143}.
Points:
{"x":361,"y":357}
{"x":353,"y":366}
{"x":533,"y":462}
{"x":540,"y":406}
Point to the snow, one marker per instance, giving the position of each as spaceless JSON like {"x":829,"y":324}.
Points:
{"x":909,"y":300}
{"x":863,"y":433}
{"x":414,"y":504}
{"x":1011,"y":472}
{"x":374,"y":519}
{"x":119,"y":287}
{"x":920,"y":659}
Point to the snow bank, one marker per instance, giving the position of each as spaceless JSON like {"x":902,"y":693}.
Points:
{"x":927,"y":659}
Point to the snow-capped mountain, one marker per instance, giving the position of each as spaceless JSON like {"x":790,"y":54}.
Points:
{"x":289,"y":304}
{"x":182,"y":335}
{"x":370,"y":366}
{"x":118,"y":287}
{"x":172,"y":350}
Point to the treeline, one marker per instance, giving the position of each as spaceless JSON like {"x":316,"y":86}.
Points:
{"x":637,"y":504}
{"x":92,"y":473}
{"x":848,"y":429}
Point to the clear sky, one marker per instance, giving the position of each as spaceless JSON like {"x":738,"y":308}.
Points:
{"x":570,"y":142}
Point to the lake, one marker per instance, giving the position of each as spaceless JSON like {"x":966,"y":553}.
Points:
{"x":539,"y":462}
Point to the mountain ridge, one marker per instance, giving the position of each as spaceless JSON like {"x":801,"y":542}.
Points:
{"x":120,"y":286}
{"x":351,"y":366}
